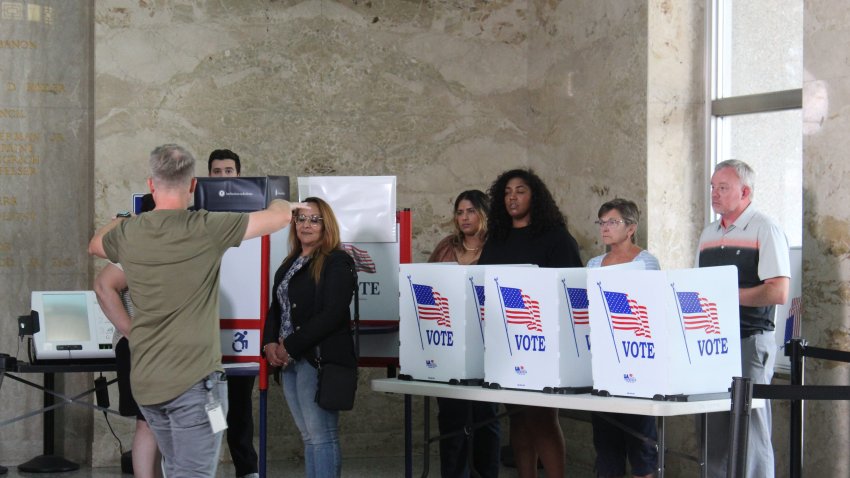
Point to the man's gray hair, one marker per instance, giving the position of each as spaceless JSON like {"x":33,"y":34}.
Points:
{"x":743,"y":170}
{"x":172,"y":166}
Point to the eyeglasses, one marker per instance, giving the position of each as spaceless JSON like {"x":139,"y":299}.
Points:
{"x":609,"y":222}
{"x":301,"y":219}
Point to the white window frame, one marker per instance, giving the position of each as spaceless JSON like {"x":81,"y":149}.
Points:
{"x":717,"y":108}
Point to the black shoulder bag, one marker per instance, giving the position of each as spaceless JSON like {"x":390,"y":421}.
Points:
{"x":338,"y":383}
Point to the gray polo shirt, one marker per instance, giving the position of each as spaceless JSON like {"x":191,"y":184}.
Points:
{"x":759,"y":248}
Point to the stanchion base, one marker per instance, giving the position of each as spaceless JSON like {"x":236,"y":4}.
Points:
{"x":3,"y":470}
{"x":48,"y":464}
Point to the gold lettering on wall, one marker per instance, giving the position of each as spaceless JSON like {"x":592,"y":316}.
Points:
{"x":8,"y":201}
{"x":7,"y":261}
{"x":15,"y":216}
{"x":19,"y":136}
{"x":12,"y":113}
{"x":45,"y":88}
{"x":16,"y":148}
{"x":18,"y":153}
{"x":18,"y":45}
{"x":61,"y":263}
{"x":5,"y":247}
{"x":27,"y":12}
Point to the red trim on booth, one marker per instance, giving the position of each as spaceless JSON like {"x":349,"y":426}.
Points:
{"x":242,"y":359}
{"x":405,"y":234}
{"x":250,"y":324}
{"x":264,"y":304}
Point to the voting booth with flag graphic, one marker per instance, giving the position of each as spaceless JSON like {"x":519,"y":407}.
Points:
{"x":664,"y":334}
{"x":441,"y":332}
{"x":245,"y":274}
{"x":537,"y":329}
{"x":365,"y":208}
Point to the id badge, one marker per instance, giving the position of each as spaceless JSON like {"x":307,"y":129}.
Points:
{"x":216,"y":415}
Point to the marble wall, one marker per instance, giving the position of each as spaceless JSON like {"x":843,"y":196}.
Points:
{"x":826,"y":230}
{"x":444,"y":95}
{"x":46,"y":107}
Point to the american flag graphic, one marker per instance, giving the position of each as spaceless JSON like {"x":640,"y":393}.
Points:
{"x":362,"y":260}
{"x":479,"y":295}
{"x":431,"y":305}
{"x":792,"y":322}
{"x":579,"y":304}
{"x":520,"y":309}
{"x":627,"y":314}
{"x":698,"y":313}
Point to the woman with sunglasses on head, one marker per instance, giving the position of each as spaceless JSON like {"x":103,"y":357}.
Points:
{"x":310,"y":309}
{"x":618,"y":222}
{"x":526,"y":227}
{"x":464,"y":247}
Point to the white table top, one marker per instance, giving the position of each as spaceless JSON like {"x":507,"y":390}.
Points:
{"x":585,"y":401}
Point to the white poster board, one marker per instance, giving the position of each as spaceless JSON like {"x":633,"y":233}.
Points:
{"x":364,"y":205}
{"x":365,"y":208}
{"x":664,"y":333}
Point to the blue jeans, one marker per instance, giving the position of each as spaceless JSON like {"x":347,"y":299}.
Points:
{"x":319,"y":427}
{"x":182,"y":430}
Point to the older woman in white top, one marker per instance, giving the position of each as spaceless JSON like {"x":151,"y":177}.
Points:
{"x":618,"y":221}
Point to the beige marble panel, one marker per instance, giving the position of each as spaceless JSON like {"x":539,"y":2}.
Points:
{"x":587,"y":78}
{"x":826,"y":243}
{"x":45,"y":201}
{"x":675,"y":160}
{"x":675,"y":125}
{"x":434,"y":93}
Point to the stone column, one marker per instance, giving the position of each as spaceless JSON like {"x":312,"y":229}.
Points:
{"x":826,"y":231}
{"x":46,"y":149}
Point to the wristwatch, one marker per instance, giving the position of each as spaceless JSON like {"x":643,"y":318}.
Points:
{"x":124,"y":214}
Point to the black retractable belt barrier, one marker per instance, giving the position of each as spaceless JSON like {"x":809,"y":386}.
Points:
{"x":742,"y":398}
{"x":796,"y":393}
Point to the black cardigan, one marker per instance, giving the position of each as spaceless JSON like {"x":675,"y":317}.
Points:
{"x":320,"y":314}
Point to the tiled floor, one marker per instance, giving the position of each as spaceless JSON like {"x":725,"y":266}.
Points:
{"x":383,"y":467}
{"x":354,"y":467}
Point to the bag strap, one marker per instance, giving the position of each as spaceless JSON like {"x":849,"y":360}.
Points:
{"x":356,"y":314}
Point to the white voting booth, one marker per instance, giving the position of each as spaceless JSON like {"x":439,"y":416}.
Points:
{"x":441,"y":328}
{"x":247,"y":271}
{"x":664,"y":334}
{"x":537,"y":329}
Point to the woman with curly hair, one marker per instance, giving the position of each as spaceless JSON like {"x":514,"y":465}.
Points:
{"x":526,"y":227}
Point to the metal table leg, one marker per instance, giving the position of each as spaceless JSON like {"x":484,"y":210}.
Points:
{"x":662,"y":448}
{"x":703,"y":446}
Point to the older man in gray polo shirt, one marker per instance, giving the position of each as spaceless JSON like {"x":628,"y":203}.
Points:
{"x":748,"y":239}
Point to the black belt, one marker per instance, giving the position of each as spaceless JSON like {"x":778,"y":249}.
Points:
{"x":749,"y":333}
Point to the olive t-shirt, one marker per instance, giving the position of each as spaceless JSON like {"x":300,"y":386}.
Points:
{"x":171,"y":259}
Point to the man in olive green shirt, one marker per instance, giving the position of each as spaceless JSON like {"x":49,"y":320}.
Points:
{"x":171,"y":258}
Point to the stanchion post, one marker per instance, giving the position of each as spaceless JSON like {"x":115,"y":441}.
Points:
{"x":408,"y":436}
{"x":426,"y":405}
{"x":796,"y":349}
{"x":742,"y":398}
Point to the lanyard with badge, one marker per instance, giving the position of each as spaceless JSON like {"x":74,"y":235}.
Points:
{"x":215,"y":411}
